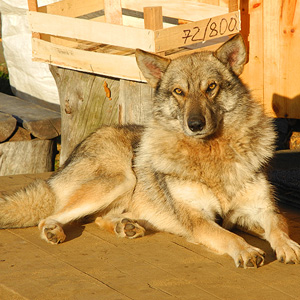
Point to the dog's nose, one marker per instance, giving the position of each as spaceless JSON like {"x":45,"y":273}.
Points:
{"x":196,"y":124}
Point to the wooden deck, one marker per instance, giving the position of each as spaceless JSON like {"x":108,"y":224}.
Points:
{"x":93,"y":264}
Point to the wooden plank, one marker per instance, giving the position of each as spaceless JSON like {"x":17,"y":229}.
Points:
{"x":24,"y":157}
{"x":41,"y":122}
{"x":7,"y":126}
{"x":196,"y":32}
{"x":113,"y":11}
{"x":97,"y":32}
{"x":98,"y":63}
{"x":72,"y":8}
{"x":187,"y":10}
{"x":281,"y":58}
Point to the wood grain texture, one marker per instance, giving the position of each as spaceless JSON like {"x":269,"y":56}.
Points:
{"x":135,"y":102}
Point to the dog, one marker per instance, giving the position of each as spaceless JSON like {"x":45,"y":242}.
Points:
{"x":201,"y":157}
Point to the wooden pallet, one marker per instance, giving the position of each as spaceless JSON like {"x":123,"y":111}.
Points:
{"x":100,"y":36}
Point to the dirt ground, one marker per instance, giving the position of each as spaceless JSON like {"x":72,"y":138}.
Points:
{"x":93,"y":264}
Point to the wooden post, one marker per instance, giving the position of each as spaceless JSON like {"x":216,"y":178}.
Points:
{"x":113,"y":11}
{"x":233,"y":5}
{"x":153,"y":18}
{"x":33,"y":6}
{"x":87,"y":102}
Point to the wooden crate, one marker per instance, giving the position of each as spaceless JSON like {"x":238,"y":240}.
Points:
{"x":100,"y":36}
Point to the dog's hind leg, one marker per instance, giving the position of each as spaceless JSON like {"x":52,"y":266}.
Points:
{"x":91,"y":197}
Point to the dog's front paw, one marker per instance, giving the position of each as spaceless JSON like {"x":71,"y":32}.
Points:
{"x":288,"y":252}
{"x":250,"y":257}
{"x":129,"y":228}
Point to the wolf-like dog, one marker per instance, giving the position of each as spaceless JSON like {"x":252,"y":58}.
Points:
{"x":202,"y":156}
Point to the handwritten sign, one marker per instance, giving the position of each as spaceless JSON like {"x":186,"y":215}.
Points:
{"x":198,"y":31}
{"x":211,"y":30}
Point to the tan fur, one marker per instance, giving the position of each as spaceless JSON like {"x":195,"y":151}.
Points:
{"x":201,"y":156}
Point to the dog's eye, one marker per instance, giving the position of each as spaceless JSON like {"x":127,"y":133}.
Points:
{"x":178,"y":91}
{"x":211,"y":87}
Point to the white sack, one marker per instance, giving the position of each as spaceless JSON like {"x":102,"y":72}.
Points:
{"x":29,"y":80}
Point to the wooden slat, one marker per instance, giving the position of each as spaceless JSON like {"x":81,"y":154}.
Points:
{"x":97,"y":32}
{"x":196,"y":32}
{"x":72,"y":8}
{"x":187,"y":10}
{"x":99,"y":63}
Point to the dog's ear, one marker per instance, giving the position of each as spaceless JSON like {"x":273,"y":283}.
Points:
{"x":233,"y":54}
{"x":152,"y":66}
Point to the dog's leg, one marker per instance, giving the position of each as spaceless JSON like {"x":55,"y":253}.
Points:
{"x":90,"y":197}
{"x":256,"y":210}
{"x":222,"y":241}
{"x":276,"y":232}
{"x":200,"y":229}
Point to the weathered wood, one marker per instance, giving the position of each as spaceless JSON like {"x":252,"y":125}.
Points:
{"x":24,"y":157}
{"x":87,"y":102}
{"x":39,"y":121}
{"x":7,"y":126}
{"x":135,"y":102}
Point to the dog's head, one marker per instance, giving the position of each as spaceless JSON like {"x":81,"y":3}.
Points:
{"x":193,"y":92}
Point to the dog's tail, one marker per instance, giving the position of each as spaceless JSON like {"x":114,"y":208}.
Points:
{"x":27,"y":206}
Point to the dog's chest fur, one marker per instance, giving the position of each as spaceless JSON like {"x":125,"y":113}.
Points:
{"x":203,"y":174}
